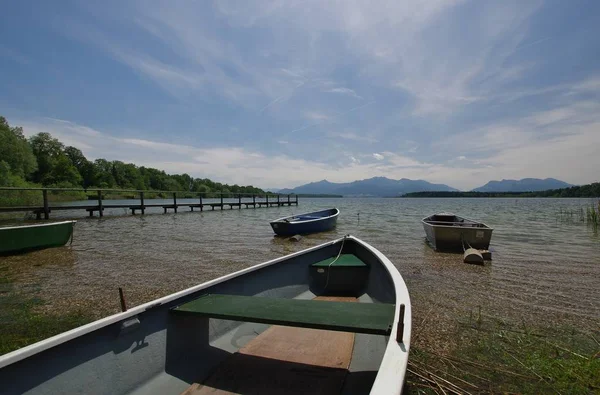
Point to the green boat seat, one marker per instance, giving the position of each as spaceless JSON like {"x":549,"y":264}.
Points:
{"x":371,"y":318}
{"x":345,"y":260}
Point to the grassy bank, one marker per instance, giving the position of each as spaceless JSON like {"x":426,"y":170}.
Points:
{"x":491,"y":356}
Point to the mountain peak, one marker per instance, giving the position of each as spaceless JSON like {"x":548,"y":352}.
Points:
{"x":523,"y":185}
{"x":375,"y":186}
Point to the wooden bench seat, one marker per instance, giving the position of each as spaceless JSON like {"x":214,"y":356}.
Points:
{"x":371,"y":318}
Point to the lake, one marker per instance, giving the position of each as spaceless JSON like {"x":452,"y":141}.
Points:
{"x":545,"y":268}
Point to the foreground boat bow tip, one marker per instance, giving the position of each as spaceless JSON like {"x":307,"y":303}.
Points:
{"x":335,"y":318}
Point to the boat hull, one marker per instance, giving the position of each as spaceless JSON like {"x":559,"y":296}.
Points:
{"x":289,"y":226}
{"x":17,"y":239}
{"x":447,"y":232}
{"x":149,"y":350}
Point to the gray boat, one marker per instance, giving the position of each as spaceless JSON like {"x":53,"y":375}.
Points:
{"x":449,"y":232}
{"x":335,"y":318}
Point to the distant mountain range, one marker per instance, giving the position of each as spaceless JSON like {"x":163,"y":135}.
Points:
{"x":524,"y":185}
{"x":383,"y":186}
{"x":376,"y":186}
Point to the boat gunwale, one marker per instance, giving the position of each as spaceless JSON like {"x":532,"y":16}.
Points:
{"x":486,"y":227}
{"x":37,"y":225}
{"x":282,"y":219}
{"x":387,"y":376}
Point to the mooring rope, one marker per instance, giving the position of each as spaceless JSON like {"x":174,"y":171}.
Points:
{"x":332,"y":262}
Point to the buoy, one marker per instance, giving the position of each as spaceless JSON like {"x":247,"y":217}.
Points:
{"x":486,"y":254}
{"x":295,"y":238}
{"x":473,"y":256}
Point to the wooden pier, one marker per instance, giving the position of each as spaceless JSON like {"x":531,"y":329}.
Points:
{"x":229,"y":200}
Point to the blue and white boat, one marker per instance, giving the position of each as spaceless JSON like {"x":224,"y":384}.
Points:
{"x":317,"y":221}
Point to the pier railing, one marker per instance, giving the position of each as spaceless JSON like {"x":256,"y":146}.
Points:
{"x":42,"y":201}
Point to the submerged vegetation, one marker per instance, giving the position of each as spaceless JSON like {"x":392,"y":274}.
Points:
{"x":589,"y":216}
{"x":22,"y":324}
{"x":44,"y":161}
{"x":593,"y":216}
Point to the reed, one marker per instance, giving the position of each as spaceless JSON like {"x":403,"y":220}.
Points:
{"x":593,"y":216}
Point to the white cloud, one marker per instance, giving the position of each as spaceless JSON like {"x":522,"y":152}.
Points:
{"x":344,"y":91}
{"x":462,"y":157}
{"x":316,"y":116}
{"x":378,"y":156}
{"x":352,"y":136}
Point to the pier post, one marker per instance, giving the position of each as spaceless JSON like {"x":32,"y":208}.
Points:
{"x":201,"y":205}
{"x":46,"y":209}
{"x":267,"y":196}
{"x":142,"y":201}
{"x":278,"y":204}
{"x":240,"y":201}
{"x":221,"y":200}
{"x":100,"y":209}
{"x":175,"y":201}
{"x":254,"y":200}
{"x":289,"y":204}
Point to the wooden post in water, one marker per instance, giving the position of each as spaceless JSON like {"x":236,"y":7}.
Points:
{"x":175,"y":201}
{"x":240,"y":201}
{"x":221,"y":200}
{"x":46,"y":209}
{"x":201,"y":206}
{"x":142,"y":201}
{"x":289,"y":200}
{"x":100,"y":209}
{"x":267,"y":195}
{"x":278,"y":204}
{"x":254,"y":200}
{"x":122,"y":299}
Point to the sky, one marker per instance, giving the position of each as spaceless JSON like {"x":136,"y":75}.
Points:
{"x":280,"y":93}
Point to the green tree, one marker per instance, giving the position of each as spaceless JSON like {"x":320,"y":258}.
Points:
{"x":46,"y":150}
{"x":15,"y":151}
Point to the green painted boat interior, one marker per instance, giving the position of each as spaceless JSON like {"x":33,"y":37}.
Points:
{"x":374,"y":319}
{"x":346,"y":275}
{"x":344,"y":260}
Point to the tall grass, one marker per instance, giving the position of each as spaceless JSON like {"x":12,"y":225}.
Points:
{"x":593,"y":216}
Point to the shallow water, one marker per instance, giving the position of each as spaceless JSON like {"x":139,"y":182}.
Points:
{"x":545,"y":270}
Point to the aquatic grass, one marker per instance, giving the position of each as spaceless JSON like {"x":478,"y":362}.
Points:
{"x":593,"y":216}
{"x":493,"y":356}
{"x":21,"y":324}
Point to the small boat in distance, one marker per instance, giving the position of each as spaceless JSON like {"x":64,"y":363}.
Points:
{"x":334,"y":318}
{"x":21,"y":238}
{"x":449,"y":232}
{"x":317,"y":221}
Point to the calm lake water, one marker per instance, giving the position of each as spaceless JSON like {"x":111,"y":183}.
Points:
{"x":545,"y":270}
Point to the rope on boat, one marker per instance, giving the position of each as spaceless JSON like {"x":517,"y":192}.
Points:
{"x":332,"y":262}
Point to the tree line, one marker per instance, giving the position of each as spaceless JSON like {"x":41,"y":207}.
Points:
{"x":589,"y":190}
{"x":43,"y":160}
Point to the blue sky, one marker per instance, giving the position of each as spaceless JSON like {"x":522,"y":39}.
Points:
{"x":280,"y":93}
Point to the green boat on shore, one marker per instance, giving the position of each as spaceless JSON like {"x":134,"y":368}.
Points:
{"x":16,"y":239}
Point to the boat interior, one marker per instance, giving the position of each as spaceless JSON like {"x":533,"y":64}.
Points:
{"x":310,"y":216}
{"x":318,"y":322}
{"x":453,"y":220}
